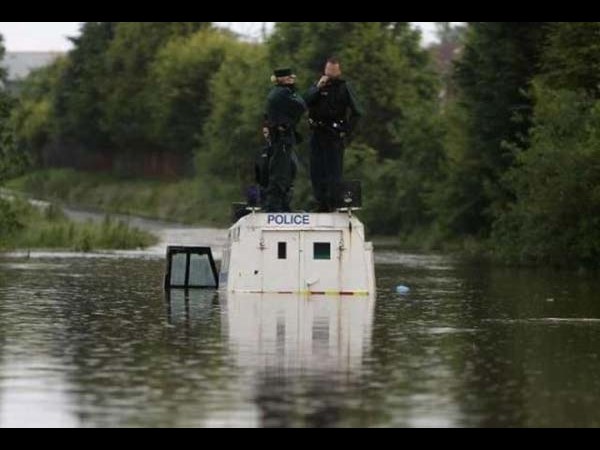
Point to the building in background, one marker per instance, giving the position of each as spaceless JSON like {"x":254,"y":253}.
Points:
{"x":20,"y":64}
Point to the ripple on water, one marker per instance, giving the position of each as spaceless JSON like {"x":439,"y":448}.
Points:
{"x":91,"y":340}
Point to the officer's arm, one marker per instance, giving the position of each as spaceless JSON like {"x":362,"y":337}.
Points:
{"x":297,"y":104}
{"x":312,"y":95}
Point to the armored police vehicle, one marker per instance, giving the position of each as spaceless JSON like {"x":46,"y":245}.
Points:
{"x":298,"y":253}
{"x":283,"y":253}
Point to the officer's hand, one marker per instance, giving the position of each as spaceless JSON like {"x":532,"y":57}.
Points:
{"x":323,"y":81}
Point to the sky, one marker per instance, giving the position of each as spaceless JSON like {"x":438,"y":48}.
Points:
{"x":52,"y":36}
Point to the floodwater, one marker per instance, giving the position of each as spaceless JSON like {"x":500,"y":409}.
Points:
{"x":93,"y":341}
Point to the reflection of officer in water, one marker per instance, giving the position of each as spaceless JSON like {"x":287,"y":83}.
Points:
{"x":284,"y":109}
{"x":333,"y":113}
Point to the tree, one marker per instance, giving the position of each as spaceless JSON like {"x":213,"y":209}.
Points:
{"x":33,"y":117}
{"x":232,"y":133}
{"x":8,"y":218}
{"x":3,"y":73}
{"x":572,"y":56}
{"x":81,"y":89}
{"x":128,"y":60}
{"x":179,"y":85}
{"x":493,"y":75}
{"x":6,"y":136}
{"x":555,"y":218}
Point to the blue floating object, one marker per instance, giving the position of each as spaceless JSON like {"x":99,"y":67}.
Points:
{"x":401,"y":289}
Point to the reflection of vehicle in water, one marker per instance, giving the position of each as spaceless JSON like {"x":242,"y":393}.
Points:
{"x":264,"y":331}
{"x":300,"y":355}
{"x":192,"y":308}
{"x":298,"y":253}
{"x":316,"y":333}
{"x":274,"y":360}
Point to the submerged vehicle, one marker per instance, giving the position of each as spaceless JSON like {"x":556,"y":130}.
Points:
{"x":290,"y":253}
{"x":284,"y":253}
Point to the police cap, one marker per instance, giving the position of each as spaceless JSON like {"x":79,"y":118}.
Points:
{"x":287,"y":72}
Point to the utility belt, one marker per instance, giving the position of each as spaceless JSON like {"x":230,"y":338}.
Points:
{"x":335,"y":126}
{"x":281,"y":130}
{"x":285,"y":132}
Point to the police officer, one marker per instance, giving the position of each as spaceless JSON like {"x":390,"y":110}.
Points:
{"x":284,"y":110}
{"x":333,"y":114}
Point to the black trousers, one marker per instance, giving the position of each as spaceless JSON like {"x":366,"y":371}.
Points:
{"x":326,"y":166}
{"x":281,"y":177}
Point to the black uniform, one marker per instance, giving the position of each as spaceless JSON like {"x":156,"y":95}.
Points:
{"x":334,"y":112}
{"x":284,"y":110}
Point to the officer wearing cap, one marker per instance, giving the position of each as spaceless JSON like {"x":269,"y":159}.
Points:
{"x":333,"y":115}
{"x":284,"y":110}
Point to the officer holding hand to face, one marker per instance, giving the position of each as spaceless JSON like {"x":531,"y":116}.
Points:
{"x":333,"y":115}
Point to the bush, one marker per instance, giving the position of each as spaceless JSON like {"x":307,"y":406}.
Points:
{"x":556,"y":216}
{"x":9,"y":222}
{"x":23,"y":226}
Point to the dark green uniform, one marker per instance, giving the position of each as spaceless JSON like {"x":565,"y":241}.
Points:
{"x":284,"y":110}
{"x":333,"y":112}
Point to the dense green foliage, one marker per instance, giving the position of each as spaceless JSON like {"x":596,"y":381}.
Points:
{"x":498,"y":148}
{"x":492,"y":110}
{"x":556,"y":218}
{"x":8,"y":219}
